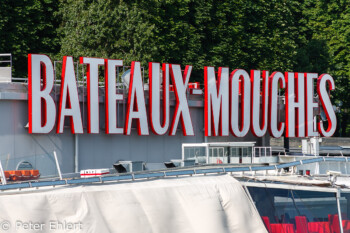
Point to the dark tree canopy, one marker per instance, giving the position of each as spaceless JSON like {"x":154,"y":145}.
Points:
{"x":274,"y":35}
{"x":27,"y":26}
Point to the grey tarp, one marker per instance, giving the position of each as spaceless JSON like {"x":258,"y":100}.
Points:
{"x":215,"y":204}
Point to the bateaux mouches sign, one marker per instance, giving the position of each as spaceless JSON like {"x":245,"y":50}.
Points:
{"x":228,"y":109}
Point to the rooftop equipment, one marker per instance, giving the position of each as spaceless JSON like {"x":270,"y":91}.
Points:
{"x":129,"y":166}
{"x":5,"y":67}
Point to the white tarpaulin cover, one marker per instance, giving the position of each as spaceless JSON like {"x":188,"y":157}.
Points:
{"x":200,"y":204}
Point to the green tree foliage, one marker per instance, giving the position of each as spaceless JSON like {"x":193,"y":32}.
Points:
{"x":27,"y":26}
{"x":233,"y":33}
{"x":329,"y":34}
{"x":301,"y":36}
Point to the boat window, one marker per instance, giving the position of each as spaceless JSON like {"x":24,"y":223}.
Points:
{"x":250,"y":150}
{"x":234,"y":152}
{"x":345,"y":211}
{"x":215,"y":154}
{"x":268,"y":151}
{"x":296,"y":211}
{"x":247,"y":151}
{"x":195,"y":153}
{"x":25,"y":165}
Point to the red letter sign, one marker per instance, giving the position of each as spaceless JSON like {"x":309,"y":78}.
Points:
{"x":111,"y":97}
{"x":326,"y":105}
{"x":154,"y":98}
{"x":136,"y":102}
{"x":216,"y":101}
{"x":39,"y":99}
{"x":255,"y":112}
{"x":92,"y":91}
{"x":275,"y":128}
{"x":236,"y":129}
{"x":69,"y":91}
{"x":181,"y":110}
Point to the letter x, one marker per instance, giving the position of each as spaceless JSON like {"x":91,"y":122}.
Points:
{"x":181,"y":110}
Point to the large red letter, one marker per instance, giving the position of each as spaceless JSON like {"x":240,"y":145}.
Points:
{"x":255,"y":111}
{"x":275,"y":128}
{"x":326,"y":105}
{"x":154,"y":98}
{"x":236,"y":129}
{"x":69,"y":90}
{"x":295,"y":104}
{"x":181,"y":110}
{"x":311,"y":131}
{"x":92,"y":92}
{"x":136,"y":102}
{"x":39,"y":99}
{"x":111,"y":97}
{"x":216,"y":101}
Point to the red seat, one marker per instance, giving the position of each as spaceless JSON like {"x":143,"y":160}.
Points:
{"x":25,"y":174}
{"x":301,"y":224}
{"x":333,"y":220}
{"x":319,"y":227}
{"x":346,"y":226}
{"x":282,"y":228}
{"x":266,"y":221}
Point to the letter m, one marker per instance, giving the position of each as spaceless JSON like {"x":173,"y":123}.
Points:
{"x":216,"y":102}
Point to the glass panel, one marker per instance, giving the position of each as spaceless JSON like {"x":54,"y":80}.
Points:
{"x":187,"y":152}
{"x":249,"y":151}
{"x":215,"y":152}
{"x":245,"y":152}
{"x":298,"y":211}
{"x":221,"y":152}
{"x":345,"y":211}
{"x":268,"y":151}
{"x":234,"y":152}
{"x":200,"y":154}
{"x":226,"y":151}
{"x":197,"y":153}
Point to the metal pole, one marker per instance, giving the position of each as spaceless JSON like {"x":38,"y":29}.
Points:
{"x":286,"y":143}
{"x":57,"y":165}
{"x":76,"y":154}
{"x":339,"y":211}
{"x":3,"y":177}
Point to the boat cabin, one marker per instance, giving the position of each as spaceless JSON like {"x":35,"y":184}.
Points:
{"x":227,"y":153}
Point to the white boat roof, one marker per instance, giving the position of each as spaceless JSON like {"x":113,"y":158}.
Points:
{"x":209,"y":144}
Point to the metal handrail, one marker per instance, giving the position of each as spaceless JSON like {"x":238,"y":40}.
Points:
{"x":166,"y":173}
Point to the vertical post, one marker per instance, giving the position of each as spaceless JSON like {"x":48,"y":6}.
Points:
{"x":57,"y":165}
{"x":207,"y":152}
{"x":11,"y":73}
{"x":2,"y":173}
{"x":286,"y":143}
{"x":183,"y":152}
{"x":76,"y":153}
{"x":339,"y":211}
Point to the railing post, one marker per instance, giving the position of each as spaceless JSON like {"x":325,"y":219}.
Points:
{"x":57,"y":165}
{"x":339,"y":211}
{"x":3,"y":177}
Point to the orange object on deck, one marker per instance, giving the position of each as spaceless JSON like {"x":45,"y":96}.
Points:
{"x":17,"y":175}
{"x":25,"y":174}
{"x":34,"y":174}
